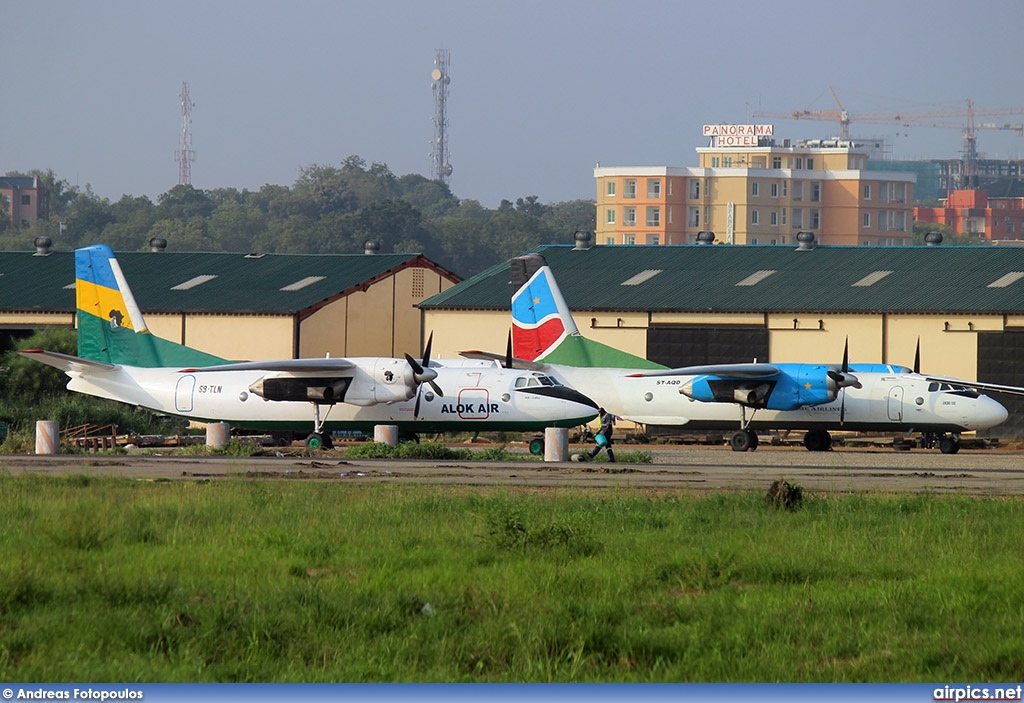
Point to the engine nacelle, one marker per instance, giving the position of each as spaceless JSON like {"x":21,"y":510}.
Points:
{"x":317,"y":390}
{"x":381,"y":380}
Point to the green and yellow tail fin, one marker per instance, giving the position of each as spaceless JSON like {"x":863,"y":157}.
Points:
{"x":110,"y":325}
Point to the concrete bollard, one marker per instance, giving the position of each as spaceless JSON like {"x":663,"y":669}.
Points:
{"x":386,"y":434}
{"x":556,"y":444}
{"x":47,"y":437}
{"x":217,"y":434}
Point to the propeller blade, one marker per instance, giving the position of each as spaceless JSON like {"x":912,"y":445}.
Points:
{"x":917,"y":357}
{"x":842,"y":408}
{"x":508,"y":351}
{"x":426,"y":350}
{"x":416,"y":407}
{"x":437,"y":388}
{"x":416,"y":368}
{"x":846,"y":356}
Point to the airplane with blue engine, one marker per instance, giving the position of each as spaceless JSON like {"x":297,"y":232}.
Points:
{"x":744,"y":397}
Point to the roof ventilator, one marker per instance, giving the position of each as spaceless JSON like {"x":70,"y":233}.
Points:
{"x":933,"y":239}
{"x":705,"y":237}
{"x":582,"y":238}
{"x":805,"y":241}
{"x":371,"y":247}
{"x":42,"y":245}
{"x":157,"y":244}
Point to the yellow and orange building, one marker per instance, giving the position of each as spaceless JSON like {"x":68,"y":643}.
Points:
{"x":749,"y":190}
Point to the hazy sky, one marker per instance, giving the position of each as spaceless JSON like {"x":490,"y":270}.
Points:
{"x":540,"y":90}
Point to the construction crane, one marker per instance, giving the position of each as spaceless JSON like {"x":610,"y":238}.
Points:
{"x":969,"y":166}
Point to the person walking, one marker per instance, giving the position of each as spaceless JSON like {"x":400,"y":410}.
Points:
{"x":604,"y":435}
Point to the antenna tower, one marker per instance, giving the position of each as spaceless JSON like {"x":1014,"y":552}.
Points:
{"x":440,"y":166}
{"x":184,"y":154}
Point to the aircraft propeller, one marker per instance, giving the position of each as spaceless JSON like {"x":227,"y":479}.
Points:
{"x":843,"y":379}
{"x":917,"y":357}
{"x":508,"y":351}
{"x":422,"y":373}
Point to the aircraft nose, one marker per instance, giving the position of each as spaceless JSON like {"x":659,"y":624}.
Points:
{"x":990,"y":413}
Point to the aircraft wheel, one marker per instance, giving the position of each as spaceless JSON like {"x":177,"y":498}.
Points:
{"x":743,"y":440}
{"x":319,"y":440}
{"x":537,"y":446}
{"x":949,"y":445}
{"x":817,"y":441}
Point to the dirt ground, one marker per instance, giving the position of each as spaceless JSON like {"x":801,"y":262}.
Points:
{"x":982,"y":472}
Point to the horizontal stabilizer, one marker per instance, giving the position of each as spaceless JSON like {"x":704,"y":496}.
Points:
{"x":501,"y":359}
{"x":66,"y":362}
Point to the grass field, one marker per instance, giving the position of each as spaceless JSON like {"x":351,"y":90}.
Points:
{"x":248,"y":580}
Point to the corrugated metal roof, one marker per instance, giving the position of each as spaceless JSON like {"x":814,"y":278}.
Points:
{"x":705,"y":278}
{"x":220,"y":282}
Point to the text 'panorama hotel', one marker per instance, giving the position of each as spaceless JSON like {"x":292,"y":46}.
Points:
{"x":750,"y":190}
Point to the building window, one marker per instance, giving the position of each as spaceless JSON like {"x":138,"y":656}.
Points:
{"x":1009,"y":226}
{"x":776,"y":162}
{"x":629,"y":188}
{"x":774,"y":219}
{"x":866,"y":221}
{"x":610,"y":191}
{"x":899,"y":220}
{"x":653,"y":239}
{"x":815,"y":219}
{"x":629,"y":239}
{"x":755,"y":217}
{"x":669,"y":183}
{"x":754,"y":189}
{"x":694,"y":188}
{"x":867,"y":191}
{"x":707,"y":215}
{"x":610,"y":241}
{"x":785,"y":188}
{"x":783,"y":222}
{"x":727,"y":161}
{"x":900,"y":192}
{"x":715,"y":162}
{"x":816,"y":192}
{"x":654,"y":217}
{"x":810,"y":164}
{"x":610,"y":217}
{"x":653,"y":187}
{"x":669,"y":214}
{"x":798,"y":217}
{"x":693,"y":217}
{"x":26,"y":200}
{"x":799,"y":162}
{"x":629,"y":216}
{"x":775,"y":190}
{"x":753,"y":240}
{"x":798,"y":190}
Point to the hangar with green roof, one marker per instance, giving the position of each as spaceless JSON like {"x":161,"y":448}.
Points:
{"x":699,"y":304}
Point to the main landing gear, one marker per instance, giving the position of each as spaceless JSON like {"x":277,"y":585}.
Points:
{"x":319,"y":439}
{"x":745,"y":439}
{"x":817,"y":441}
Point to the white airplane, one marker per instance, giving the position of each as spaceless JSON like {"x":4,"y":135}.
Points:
{"x":119,"y":359}
{"x":812,"y":397}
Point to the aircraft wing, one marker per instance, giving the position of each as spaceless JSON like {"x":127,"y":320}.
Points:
{"x":978,"y":385}
{"x":723,"y":371}
{"x":66,"y":362}
{"x":289,"y":365}
{"x":502,"y":359}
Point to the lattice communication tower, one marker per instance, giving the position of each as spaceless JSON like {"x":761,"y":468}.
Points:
{"x":184,"y":154}
{"x":440,"y":166}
